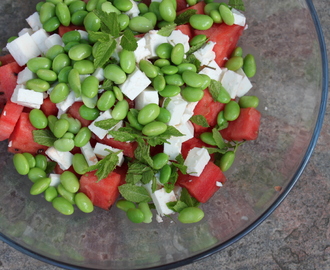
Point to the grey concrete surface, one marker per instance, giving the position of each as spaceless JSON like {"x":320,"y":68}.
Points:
{"x":296,"y":236}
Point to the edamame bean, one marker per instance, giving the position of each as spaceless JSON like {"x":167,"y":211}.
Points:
{"x":227,"y":160}
{"x":207,"y":81}
{"x":221,"y":121}
{"x":125,"y":205}
{"x":174,"y":79}
{"x":226,"y":15}
{"x":21,"y":164}
{"x":60,"y":61}
{"x":82,"y":137}
{"x":61,"y":126}
{"x":248,"y":102}
{"x":144,"y":207}
{"x":38,"y":6}
{"x":84,"y":203}
{"x":167,"y":10}
{"x":91,"y":5}
{"x":165,"y":174}
{"x":223,"y":96}
{"x":38,"y":119}
{"x":123,"y":5}
{"x":76,"y":6}
{"x":41,"y":161}
{"x":88,"y":113}
{"x":40,"y":186}
{"x":106,"y":100}
{"x":54,"y":1}
{"x":36,"y":173}
{"x":64,"y":144}
{"x":78,"y":17}
{"x":74,"y":81}
{"x":47,"y":11}
{"x":50,"y":194}
{"x":63,"y":206}
{"x":191,"y":215}
{"x":132,"y":119}
{"x":71,"y":35}
{"x":148,"y":113}
{"x":135,"y":215}
{"x":231,"y":111}
{"x":90,"y":86}
{"x":89,"y":102}
{"x":80,"y":52}
{"x":107,"y":7}
{"x":63,"y":14}
{"x":140,"y":24}
{"x":70,"y":181}
{"x":59,"y":93}
{"x":161,"y":63}
{"x":215,"y":15}
{"x":127,"y":61}
{"x":177,"y":54}
{"x":74,"y":124}
{"x":118,"y":93}
{"x":30,"y":159}
{"x":47,"y":75}
{"x":143,"y":8}
{"x":115,"y":73}
{"x":192,"y":94}
{"x":159,"y":160}
{"x":12,"y":38}
{"x":169,"y":70}
{"x":238,"y":51}
{"x":68,"y":135}
{"x":148,"y":68}
{"x":234,"y":63}
{"x":37,"y":63}
{"x":170,"y":91}
{"x":120,"y":110}
{"x":192,"y":79}
{"x":164,"y":115}
{"x":201,"y":21}
{"x":84,"y":67}
{"x":186,"y":66}
{"x":154,"y":7}
{"x":69,"y":2}
{"x":249,"y":66}
{"x":79,"y":163}
{"x":154,"y":128}
{"x":159,"y":83}
{"x":198,"y":39}
{"x":151,"y":17}
{"x":51,"y":122}
{"x":123,"y":21}
{"x":164,"y":50}
{"x":54,"y":51}
{"x":37,"y":85}
{"x":191,"y":2}
{"x":66,"y":194}
{"x":207,"y":137}
{"x":92,"y":22}
{"x":52,"y":24}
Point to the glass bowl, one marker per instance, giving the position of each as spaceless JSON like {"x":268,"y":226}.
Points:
{"x":287,"y":41}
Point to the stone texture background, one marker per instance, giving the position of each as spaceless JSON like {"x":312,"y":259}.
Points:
{"x":296,"y":236}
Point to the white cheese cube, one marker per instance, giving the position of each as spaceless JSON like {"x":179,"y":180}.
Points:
{"x":212,"y":70}
{"x":176,"y":107}
{"x":27,"y":98}
{"x":54,"y":179}
{"x":64,"y":159}
{"x":136,"y":82}
{"x":206,"y":54}
{"x":196,"y":160}
{"x":146,"y":97}
{"x":39,"y":38}
{"x":88,"y":152}
{"x":101,"y":153}
{"x":83,"y":34}
{"x":153,"y":40}
{"x":34,"y":21}
{"x":25,"y":31}
{"x":231,"y":81}
{"x":67,"y":103}
{"x":100,"y":132}
{"x":188,"y":112}
{"x":187,"y":129}
{"x":141,"y":52}
{"x":99,"y":74}
{"x":23,"y":49}
{"x":239,"y":18}
{"x":52,"y":40}
{"x":245,"y":84}
{"x":173,"y":148}
{"x":25,"y":75}
{"x":134,"y":11}
{"x":178,"y":37}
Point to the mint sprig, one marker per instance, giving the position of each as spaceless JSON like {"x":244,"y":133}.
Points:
{"x":128,"y":41}
{"x":107,"y":123}
{"x":199,"y":120}
{"x":104,"y":52}
{"x":184,"y":17}
{"x":237,"y":4}
{"x":44,"y":137}
{"x":134,"y":193}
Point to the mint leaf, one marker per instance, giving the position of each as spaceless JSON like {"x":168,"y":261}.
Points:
{"x":167,"y":30}
{"x":139,"y":172}
{"x":214,"y":150}
{"x":123,"y":134}
{"x":215,"y":88}
{"x":107,"y":123}
{"x":107,"y":84}
{"x":104,"y":52}
{"x":169,"y":186}
{"x":142,"y":152}
{"x":180,"y":164}
{"x":110,"y":21}
{"x":128,"y":41}
{"x":184,"y":17}
{"x":196,"y":46}
{"x":134,"y":193}
{"x":99,"y":36}
{"x":199,"y":120}
{"x":237,"y":4}
{"x":191,"y":58}
{"x":187,"y":199}
{"x":177,"y":206}
{"x":220,"y":143}
{"x":44,"y":137}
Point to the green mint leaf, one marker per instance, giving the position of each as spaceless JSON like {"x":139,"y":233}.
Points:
{"x":177,"y":206}
{"x":51,"y":165}
{"x":187,"y":199}
{"x":128,"y":41}
{"x":107,"y":123}
{"x":162,"y":138}
{"x":196,"y":46}
{"x":134,"y":193}
{"x":172,"y":131}
{"x":223,"y":125}
{"x":180,"y":164}
{"x":44,"y":137}
{"x":199,"y":120}
{"x":139,"y":172}
{"x":167,"y":30}
{"x":142,"y":152}
{"x":237,"y":4}
{"x":191,"y":58}
{"x":166,"y":102}
{"x":107,"y":84}
{"x":124,"y":134}
{"x":104,"y":52}
{"x":184,"y":17}
{"x":99,"y":36}
{"x":110,"y":21}
{"x":215,"y":88}
{"x":214,"y":150}
{"x":220,"y":143}
{"x":169,"y":186}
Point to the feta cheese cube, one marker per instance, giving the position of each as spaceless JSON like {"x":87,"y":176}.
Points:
{"x":178,"y":37}
{"x":27,"y":98}
{"x":196,"y":160}
{"x":187,"y":129}
{"x":99,"y":74}
{"x":136,"y":82}
{"x":64,"y":105}
{"x":231,"y":81}
{"x":239,"y":18}
{"x":245,"y":84}
{"x":23,"y":49}
{"x":173,"y":148}
{"x":39,"y":38}
{"x":153,"y":40}
{"x":54,"y":179}
{"x":141,"y":52}
{"x":212,"y":70}
{"x":64,"y":159}
{"x":176,"y":107}
{"x":100,"y":132}
{"x":88,"y":152}
{"x":34,"y":21}
{"x":101,"y":152}
{"x":25,"y":75}
{"x":25,"y":31}
{"x":83,"y":34}
{"x":188,"y":112}
{"x":134,"y":11}
{"x":206,"y":54}
{"x":52,"y":40}
{"x":146,"y":97}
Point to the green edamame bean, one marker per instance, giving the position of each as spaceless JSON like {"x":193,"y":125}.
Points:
{"x":68,"y":135}
{"x":248,"y":102}
{"x":52,"y":24}
{"x":132,"y":119}
{"x":40,"y":186}
{"x":47,"y":11}
{"x":249,"y":66}
{"x":12,"y":38}
{"x":69,"y":2}
{"x":107,"y":7}
{"x":59,"y":93}
{"x":89,"y":102}
{"x":215,"y":15}
{"x":198,"y":39}
{"x":221,"y":121}
{"x":79,"y":163}
{"x":74,"y":81}
{"x":71,"y":35}
{"x":167,"y":10}
{"x":30,"y":159}
{"x":61,"y":126}
{"x":164,"y":115}
{"x":192,"y":79}
{"x":63,"y":206}
{"x":50,"y":194}
{"x":80,"y":52}
{"x":191,"y":215}
{"x":36,"y":173}
{"x":125,"y":205}
{"x":164,"y":50}
{"x":64,"y":144}
{"x":143,"y":8}
{"x":37,"y":85}
{"x":159,"y":160}
{"x":70,"y":181}
{"x":52,"y":119}
{"x":92,"y":22}
{"x":151,"y":17}
{"x":227,"y":160}
{"x":84,"y":67}
{"x":106,"y":100}
{"x":60,"y":61}
{"x":21,"y":164}
{"x":162,"y":62}
{"x":120,"y":110}
{"x":66,"y":194}
{"x":84,"y":203}
{"x":169,"y":69}
{"x":54,"y":1}
{"x":234,"y":63}
{"x":144,"y":207}
{"x":226,"y":15}
{"x":76,"y":6}
{"x":140,"y":24}
{"x":54,"y":51}
{"x":165,"y":174}
{"x":47,"y":75}
{"x":38,"y":119}
{"x":135,"y":215}
{"x":170,"y":91}
{"x":88,"y":113}
{"x":207,"y":81}
{"x":174,"y":79}
{"x":154,"y":128}
{"x":69,"y":45}
{"x":231,"y":111}
{"x":37,"y":63}
{"x":223,"y":96}
{"x":159,"y":83}
{"x":90,"y":86}
{"x":177,"y":54}
{"x":41,"y":161}
{"x":38,"y":6}
{"x":148,"y":113}
{"x":63,"y":14}
{"x":191,"y":2}
{"x":123,"y":21}
{"x":127,"y":61}
{"x":154,"y":7}
{"x":186,"y":66}
{"x":115,"y":73}
{"x":148,"y":68}
{"x":207,"y":137}
{"x":192,"y":94}
{"x":74,"y":124}
{"x":82,"y":137}
{"x":123,"y":5}
{"x":78,"y":17}
{"x":238,"y":51}
{"x":118,"y":93}
{"x":201,"y":21}
{"x":91,"y":5}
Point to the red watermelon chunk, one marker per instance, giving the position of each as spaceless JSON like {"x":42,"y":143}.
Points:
{"x":8,"y":79}
{"x":127,"y":147}
{"x":190,"y":144}
{"x":48,"y":107}
{"x":245,"y":127}
{"x":199,"y":8}
{"x":102,"y":193}
{"x":204,"y":186}
{"x":74,"y":112}
{"x":63,"y":29}
{"x":185,"y":29}
{"x":6,"y":59}
{"x":9,"y":118}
